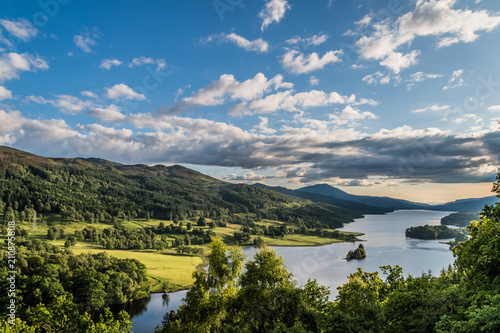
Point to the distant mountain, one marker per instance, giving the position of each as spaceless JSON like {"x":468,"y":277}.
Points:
{"x":468,"y":205}
{"x":384,"y":202}
{"x":463,"y":205}
{"x":367,"y":209}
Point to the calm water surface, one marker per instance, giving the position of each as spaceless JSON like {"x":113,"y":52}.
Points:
{"x":385,"y":244}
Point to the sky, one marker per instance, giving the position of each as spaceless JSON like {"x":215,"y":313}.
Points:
{"x":398,"y":98}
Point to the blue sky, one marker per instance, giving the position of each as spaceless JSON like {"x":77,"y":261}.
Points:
{"x":398,"y":98}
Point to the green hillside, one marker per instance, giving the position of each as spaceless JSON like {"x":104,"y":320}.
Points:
{"x":98,"y":190}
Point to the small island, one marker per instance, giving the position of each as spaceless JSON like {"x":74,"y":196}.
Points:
{"x":359,"y":253}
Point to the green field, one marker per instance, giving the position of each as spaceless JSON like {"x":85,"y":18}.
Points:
{"x":168,"y":266}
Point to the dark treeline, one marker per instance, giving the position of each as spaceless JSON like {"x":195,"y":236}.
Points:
{"x":143,"y":238}
{"x":250,"y":228}
{"x":434,"y":232}
{"x":460,"y":219}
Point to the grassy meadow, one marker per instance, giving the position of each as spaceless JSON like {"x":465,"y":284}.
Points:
{"x":165,"y":266}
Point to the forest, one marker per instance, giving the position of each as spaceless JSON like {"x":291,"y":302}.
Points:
{"x":434,"y":232}
{"x":461,"y":219}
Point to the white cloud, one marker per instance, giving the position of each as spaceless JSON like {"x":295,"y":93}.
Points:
{"x":66,"y":103}
{"x":365,"y":21}
{"x":226,"y":86}
{"x":349,"y":116}
{"x":21,"y":28}
{"x":429,"y":18}
{"x":295,"y":62}
{"x":351,"y":113}
{"x":142,"y":60}
{"x":397,"y":61}
{"x":109,"y":132}
{"x":51,"y":130}
{"x":356,"y":66}
{"x":466,"y":117}
{"x":456,"y":80}
{"x":494,"y":108}
{"x":37,"y":99}
{"x":13,"y":63}
{"x":313,"y":81}
{"x":252,"y":177}
{"x":36,"y":62}
{"x":122,"y":90}
{"x":263,"y":126}
{"x":282,"y":100}
{"x":435,"y":107}
{"x":286,"y":100}
{"x":273,"y":11}
{"x":377,"y":78}
{"x":10,"y":121}
{"x":314,"y":40}
{"x":437,"y":18}
{"x":32,"y":132}
{"x":258,"y":45}
{"x":108,"y":63}
{"x":5,"y":93}
{"x":421,"y":76}
{"x":89,"y":94}
{"x":86,"y":40}
{"x":108,"y":114}
{"x":71,"y":104}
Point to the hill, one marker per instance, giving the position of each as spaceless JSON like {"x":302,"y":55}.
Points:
{"x":385,"y":202}
{"x":98,"y":190}
{"x":327,"y":199}
{"x":467,"y":205}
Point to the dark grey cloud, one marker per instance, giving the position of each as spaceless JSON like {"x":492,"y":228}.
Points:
{"x":405,"y":154}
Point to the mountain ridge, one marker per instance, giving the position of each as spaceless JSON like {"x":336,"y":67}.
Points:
{"x":100,"y":190}
{"x":324,"y":198}
{"x":461,"y":205}
{"x":380,"y":201}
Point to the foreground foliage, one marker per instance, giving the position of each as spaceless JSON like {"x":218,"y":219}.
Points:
{"x":62,"y":315}
{"x":54,"y":287}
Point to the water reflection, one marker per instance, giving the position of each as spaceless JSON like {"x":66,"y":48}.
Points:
{"x":134,"y":309}
{"x":165,"y":299}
